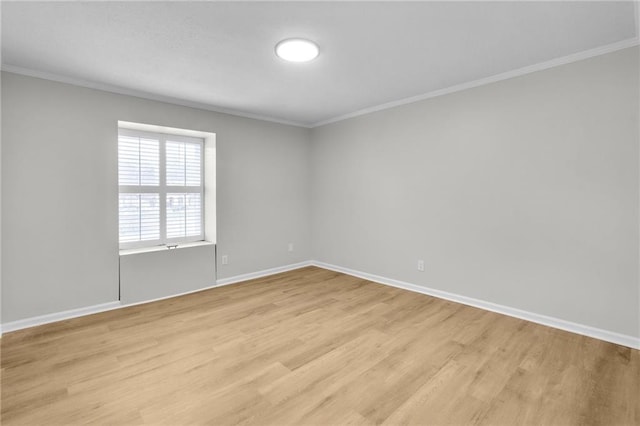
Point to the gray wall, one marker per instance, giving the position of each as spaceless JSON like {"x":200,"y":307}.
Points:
{"x":522,"y":193}
{"x":0,"y":210}
{"x":152,"y":275}
{"x":59,"y":192}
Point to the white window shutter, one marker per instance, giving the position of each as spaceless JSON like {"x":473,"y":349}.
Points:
{"x":193,"y":215}
{"x":139,"y":217}
{"x":149,"y":162}
{"x":175,"y":163}
{"x":184,"y":215}
{"x":128,"y":161}
{"x":138,"y":161}
{"x":161,"y":192}
{"x":193,"y":163}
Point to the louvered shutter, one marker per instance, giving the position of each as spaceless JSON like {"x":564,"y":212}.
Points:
{"x":138,"y":166}
{"x":161,"y":188}
{"x":184,"y":209}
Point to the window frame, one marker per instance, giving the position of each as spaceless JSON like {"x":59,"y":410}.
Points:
{"x":163,"y":189}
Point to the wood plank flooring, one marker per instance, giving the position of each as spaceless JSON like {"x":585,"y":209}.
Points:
{"x":313,"y":347}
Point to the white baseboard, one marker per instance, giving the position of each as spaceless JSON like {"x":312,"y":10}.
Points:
{"x":157,"y":299}
{"x":59,"y":316}
{"x":88,"y":310}
{"x":585,"y":330}
{"x":228,"y":281}
{"x":608,"y":336}
{"x":263,"y":273}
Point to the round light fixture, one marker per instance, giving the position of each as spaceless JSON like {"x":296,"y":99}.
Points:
{"x":297,"y":50}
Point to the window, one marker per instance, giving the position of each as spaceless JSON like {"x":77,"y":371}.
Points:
{"x":161,"y":188}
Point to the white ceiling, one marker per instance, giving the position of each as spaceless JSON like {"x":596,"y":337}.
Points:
{"x":220,"y":55}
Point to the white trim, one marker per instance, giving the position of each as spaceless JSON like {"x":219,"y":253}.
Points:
{"x":574,"y":57}
{"x":89,"y":310}
{"x":228,"y":281}
{"x":143,"y":95}
{"x":127,"y":252}
{"x":59,"y":316}
{"x":585,"y":330}
{"x":157,"y":299}
{"x":162,"y":189}
{"x":263,"y":273}
{"x":173,"y":131}
{"x":602,"y":50}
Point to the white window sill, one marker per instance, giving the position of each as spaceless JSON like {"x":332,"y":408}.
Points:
{"x":126,"y":252}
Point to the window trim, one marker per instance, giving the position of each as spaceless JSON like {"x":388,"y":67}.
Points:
{"x":162,"y":189}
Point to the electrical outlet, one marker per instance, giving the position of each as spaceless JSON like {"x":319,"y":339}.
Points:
{"x":225,"y":259}
{"x":290,"y":246}
{"x":421,"y":265}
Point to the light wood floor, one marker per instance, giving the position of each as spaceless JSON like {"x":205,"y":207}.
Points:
{"x":313,"y":347}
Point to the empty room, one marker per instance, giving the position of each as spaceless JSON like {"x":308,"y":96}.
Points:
{"x":320,"y":213}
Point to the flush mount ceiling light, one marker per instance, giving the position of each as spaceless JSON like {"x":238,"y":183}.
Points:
{"x":297,"y":50}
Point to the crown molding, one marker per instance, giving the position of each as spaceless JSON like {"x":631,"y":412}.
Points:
{"x":143,"y":95}
{"x":575,"y":57}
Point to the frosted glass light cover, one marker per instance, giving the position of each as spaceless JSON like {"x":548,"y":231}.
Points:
{"x":297,"y":50}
